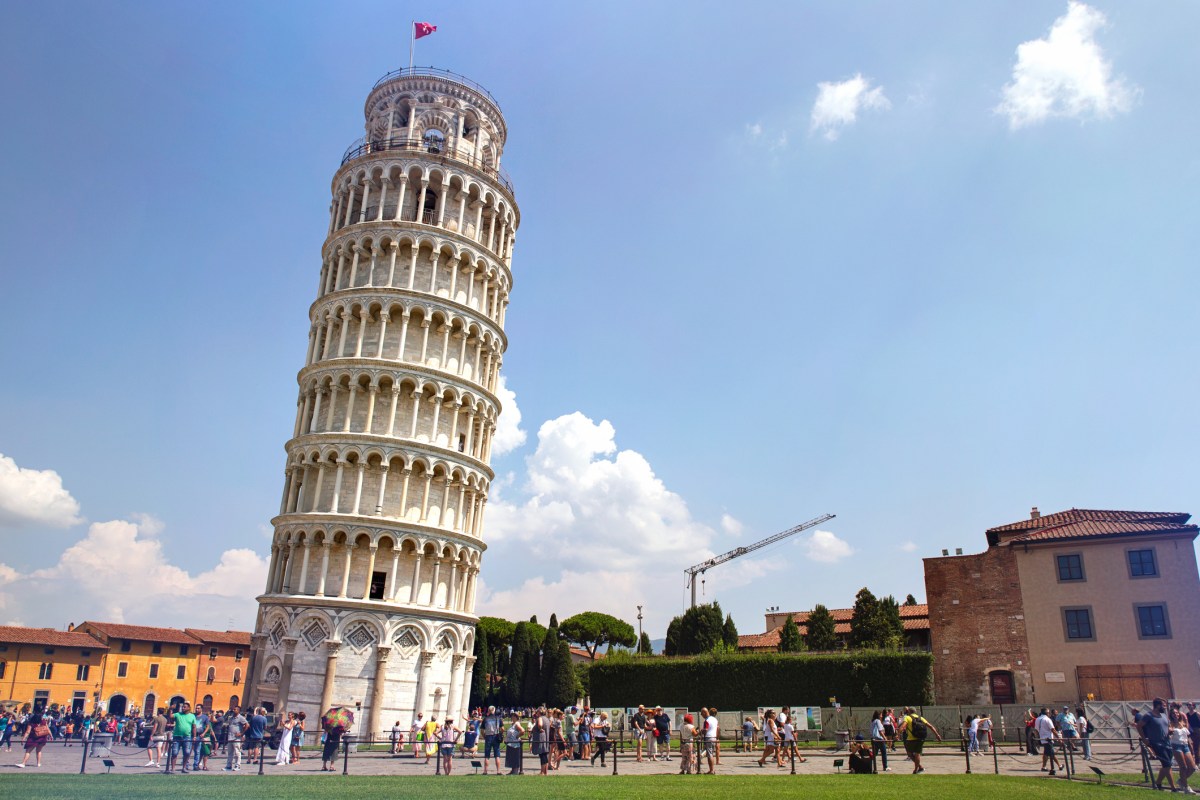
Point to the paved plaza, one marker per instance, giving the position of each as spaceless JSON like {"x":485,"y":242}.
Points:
{"x":1111,"y":758}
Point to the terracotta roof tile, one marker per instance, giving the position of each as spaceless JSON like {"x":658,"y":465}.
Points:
{"x":1082,"y":523}
{"x":913,"y":618}
{"x":240,"y":638}
{"x":141,"y":633}
{"x":15,"y":634}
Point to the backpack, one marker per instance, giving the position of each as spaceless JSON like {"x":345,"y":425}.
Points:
{"x":918,"y":727}
{"x":1090,"y":727}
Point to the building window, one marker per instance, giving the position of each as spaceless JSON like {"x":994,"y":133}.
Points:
{"x":237,"y":655}
{"x":81,"y":672}
{"x":1142,"y":564}
{"x":183,"y":649}
{"x":212,"y":654}
{"x":48,"y":651}
{"x":1070,"y":568}
{"x":3,"y":668}
{"x":85,"y":653}
{"x":122,"y":669}
{"x":211,"y":676}
{"x":156,"y":648}
{"x":126,"y":645}
{"x":45,"y":671}
{"x":1152,"y":621}
{"x":237,"y":677}
{"x":154,"y":670}
{"x":180,"y":672}
{"x":1078,"y":624}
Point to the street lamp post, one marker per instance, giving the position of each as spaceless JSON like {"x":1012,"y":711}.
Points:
{"x":639,"y":644}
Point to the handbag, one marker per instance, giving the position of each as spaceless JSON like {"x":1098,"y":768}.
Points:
{"x":41,"y":729}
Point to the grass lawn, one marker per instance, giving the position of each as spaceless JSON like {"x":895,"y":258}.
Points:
{"x":532,"y":787}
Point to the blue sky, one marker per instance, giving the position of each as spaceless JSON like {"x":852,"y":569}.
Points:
{"x":775,"y":260}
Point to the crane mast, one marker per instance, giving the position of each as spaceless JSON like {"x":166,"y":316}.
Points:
{"x":705,"y":566}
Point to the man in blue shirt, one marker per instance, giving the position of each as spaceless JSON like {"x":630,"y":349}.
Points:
{"x":254,"y":736}
{"x":200,"y":732}
{"x":1066,"y":727}
{"x":1153,"y":729}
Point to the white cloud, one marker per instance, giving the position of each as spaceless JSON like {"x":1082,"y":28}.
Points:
{"x":34,"y":497}
{"x":509,"y":435}
{"x":731,"y":525}
{"x":1065,"y":74}
{"x":838,"y":104}
{"x":826,"y":547}
{"x":601,"y":528}
{"x":119,"y":573}
{"x":909,"y":547}
{"x":754,"y":130}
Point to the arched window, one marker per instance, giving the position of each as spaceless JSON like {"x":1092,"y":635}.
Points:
{"x":211,"y":676}
{"x":234,"y":701}
{"x":435,"y":140}
{"x":237,"y":677}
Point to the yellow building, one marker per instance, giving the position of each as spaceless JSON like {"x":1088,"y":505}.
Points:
{"x":145,"y":667}
{"x":221,"y":667}
{"x":44,"y":667}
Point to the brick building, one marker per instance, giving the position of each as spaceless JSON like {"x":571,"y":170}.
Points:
{"x":1067,"y":605}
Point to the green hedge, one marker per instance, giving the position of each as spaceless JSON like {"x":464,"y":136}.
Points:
{"x":744,"y":681}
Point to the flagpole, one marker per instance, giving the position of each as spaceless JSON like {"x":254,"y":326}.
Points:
{"x":412,"y":37}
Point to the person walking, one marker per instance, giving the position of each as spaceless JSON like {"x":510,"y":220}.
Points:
{"x":37,"y":734}
{"x":182,"y":736}
{"x":1086,"y":729}
{"x":1153,"y":728}
{"x":879,"y":743}
{"x":711,"y":732}
{"x":600,"y":730}
{"x":1047,"y":733}
{"x":416,"y":732}
{"x":200,"y":732}
{"x":916,"y":730}
{"x":770,"y":738}
{"x":1180,"y":738}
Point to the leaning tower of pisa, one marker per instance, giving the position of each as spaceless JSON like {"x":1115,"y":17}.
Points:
{"x":370,"y":595}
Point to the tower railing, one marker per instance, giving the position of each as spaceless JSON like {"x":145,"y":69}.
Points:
{"x":434,"y":72}
{"x":362,"y":146}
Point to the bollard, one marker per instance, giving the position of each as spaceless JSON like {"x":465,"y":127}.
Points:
{"x":614,"y":757}
{"x":794,"y":758}
{"x":1069,"y":760}
{"x":345,"y":755}
{"x":996,"y":757}
{"x":967,"y":751}
{"x":84,"y":737}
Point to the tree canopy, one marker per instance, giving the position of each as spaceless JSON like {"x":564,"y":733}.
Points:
{"x":644,"y":645}
{"x":875,"y":623}
{"x":910,"y":601}
{"x":789,"y":637}
{"x":590,"y":629}
{"x":822,"y":631}
{"x":698,"y":630}
{"x":729,"y":633}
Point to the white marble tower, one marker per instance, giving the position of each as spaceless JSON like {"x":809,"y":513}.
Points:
{"x":370,"y":598}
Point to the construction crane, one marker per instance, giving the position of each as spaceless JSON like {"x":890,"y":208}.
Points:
{"x":705,"y":566}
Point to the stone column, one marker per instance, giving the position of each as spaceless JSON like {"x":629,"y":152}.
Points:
{"x":389,"y":592}
{"x":345,"y":318}
{"x":383,"y":473}
{"x":415,"y":590}
{"x":349,"y":204}
{"x":362,"y":215}
{"x":437,"y":576}
{"x":303,"y":569}
{"x":385,"y":183}
{"x":332,"y":647}
{"x":395,"y":248}
{"x":391,"y":428}
{"x":334,"y":389}
{"x":273,"y":569}
{"x":372,"y":393}
{"x":412,"y":266}
{"x":452,"y":587}
{"x":455,"y":685}
{"x":373,"y":549}
{"x":357,"y":250}
{"x":364,"y":317}
{"x":427,"y":657}
{"x":416,"y":396}
{"x":465,"y":697}
{"x":316,"y":415}
{"x":404,"y":317}
{"x":346,"y":570}
{"x":337,"y":487}
{"x":285,"y":676}
{"x":362,"y":468}
{"x":288,"y":568}
{"x":377,"y":688}
{"x":258,"y":644}
{"x":350,"y":408}
{"x":384,"y":317}
{"x":316,"y":498}
{"x":425,"y":498}
{"x":400,"y":202}
{"x":325,"y":547}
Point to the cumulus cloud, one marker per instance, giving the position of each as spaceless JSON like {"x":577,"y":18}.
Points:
{"x":1065,"y":74}
{"x":604,"y":531}
{"x":119,"y":573}
{"x":509,"y":435}
{"x":826,"y":548}
{"x":34,"y":497}
{"x":731,"y":525}
{"x":838,"y":104}
{"x":909,"y":547}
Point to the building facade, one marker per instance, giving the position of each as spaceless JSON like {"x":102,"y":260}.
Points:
{"x":44,"y":667}
{"x":914,"y":618}
{"x":1069,"y":606}
{"x":370,"y":597}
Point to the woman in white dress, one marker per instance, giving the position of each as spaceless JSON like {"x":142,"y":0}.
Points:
{"x":283,"y":755}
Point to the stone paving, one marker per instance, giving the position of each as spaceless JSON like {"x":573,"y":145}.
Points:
{"x":1112,"y":758}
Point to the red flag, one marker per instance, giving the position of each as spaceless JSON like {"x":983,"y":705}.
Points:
{"x":422,"y":29}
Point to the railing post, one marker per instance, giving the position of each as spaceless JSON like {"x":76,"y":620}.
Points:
{"x":614,"y":757}
{"x":84,"y":736}
{"x":967,"y":751}
{"x":345,"y":755}
{"x":996,"y":756}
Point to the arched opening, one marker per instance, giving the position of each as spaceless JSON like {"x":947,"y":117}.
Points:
{"x":207,"y":702}
{"x":177,"y":701}
{"x":237,"y":677}
{"x":429,"y":216}
{"x":149,"y":706}
{"x":434,"y":140}
{"x":235,"y":701}
{"x":117,"y":704}
{"x":1003,"y":691}
{"x":211,"y":675}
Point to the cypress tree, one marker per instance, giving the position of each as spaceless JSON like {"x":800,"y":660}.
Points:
{"x":483,"y":668}
{"x":644,"y":646}
{"x":822,"y":634}
{"x":560,"y":677}
{"x":532,"y":691}
{"x":789,"y":637}
{"x":729,"y":633}
{"x":553,"y":620}
{"x":514,"y":676}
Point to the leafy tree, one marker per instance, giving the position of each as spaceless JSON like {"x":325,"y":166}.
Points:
{"x":698,"y":630}
{"x":644,"y":646}
{"x":729,"y":633}
{"x":865,"y":630}
{"x":671,"y":648}
{"x":514,"y":676}
{"x":533,"y":690}
{"x":789,"y":637}
{"x":822,"y":630}
{"x":910,"y":601}
{"x":561,"y":684}
{"x":533,"y":619}
{"x":890,"y":622}
{"x":590,"y":629}
{"x":553,"y":620}
{"x":480,"y":691}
